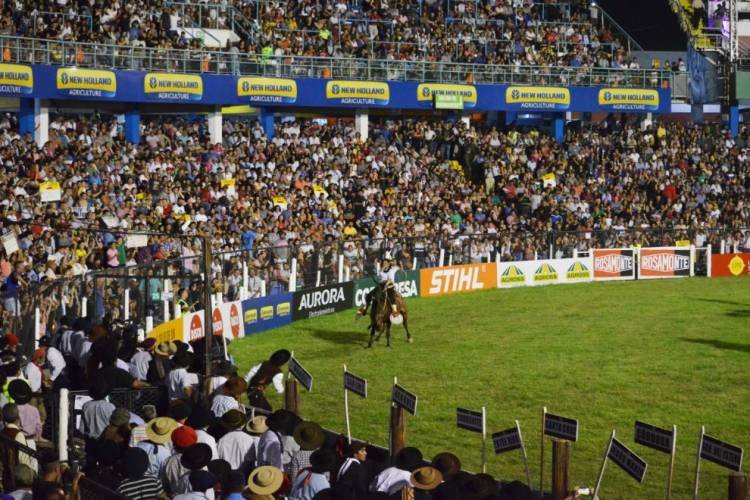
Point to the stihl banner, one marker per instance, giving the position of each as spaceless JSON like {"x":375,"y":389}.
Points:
{"x":614,"y":264}
{"x":664,"y":262}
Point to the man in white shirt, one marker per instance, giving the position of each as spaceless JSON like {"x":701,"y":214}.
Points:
{"x":237,"y":446}
{"x":141,"y":359}
{"x":180,"y":382}
{"x":231,"y":392}
{"x":393,"y":479}
{"x":200,"y":419}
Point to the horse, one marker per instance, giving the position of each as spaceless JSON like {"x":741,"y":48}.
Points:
{"x":388,"y":303}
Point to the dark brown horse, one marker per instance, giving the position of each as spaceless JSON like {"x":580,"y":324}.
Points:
{"x":389,"y":302}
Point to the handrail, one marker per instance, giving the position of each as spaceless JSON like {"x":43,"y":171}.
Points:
{"x":24,"y":50}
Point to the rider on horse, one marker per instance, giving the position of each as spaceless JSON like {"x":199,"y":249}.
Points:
{"x":386,"y":279}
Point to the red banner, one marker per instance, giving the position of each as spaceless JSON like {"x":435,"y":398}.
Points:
{"x":664,"y":263}
{"x":730,"y":264}
{"x":614,"y":264}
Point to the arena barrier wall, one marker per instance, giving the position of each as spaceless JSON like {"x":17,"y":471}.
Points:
{"x":239,"y":319}
{"x":730,"y":265}
{"x":70,"y":83}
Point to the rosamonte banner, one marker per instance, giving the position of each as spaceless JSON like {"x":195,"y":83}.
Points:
{"x":730,"y":264}
{"x":614,"y":264}
{"x":453,"y":279}
{"x":544,"y":272}
{"x":664,"y":262}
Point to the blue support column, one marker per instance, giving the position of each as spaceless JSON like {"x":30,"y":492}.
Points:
{"x":133,"y":126}
{"x":26,"y":114}
{"x":510,"y":117}
{"x":266,"y":121}
{"x":734,"y":120}
{"x":559,"y":129}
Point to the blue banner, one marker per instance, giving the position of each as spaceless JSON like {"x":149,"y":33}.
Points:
{"x":266,"y":312}
{"x":55,"y":82}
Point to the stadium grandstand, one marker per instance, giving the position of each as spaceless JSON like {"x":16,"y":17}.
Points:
{"x":177,"y":176}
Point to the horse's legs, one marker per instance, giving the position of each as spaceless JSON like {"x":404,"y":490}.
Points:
{"x":372,"y":334}
{"x":388,"y":334}
{"x":406,"y":327}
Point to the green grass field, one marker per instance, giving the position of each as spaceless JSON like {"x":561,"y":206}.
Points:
{"x":665,"y":352}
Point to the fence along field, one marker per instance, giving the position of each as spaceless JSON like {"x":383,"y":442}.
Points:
{"x":666,"y":352}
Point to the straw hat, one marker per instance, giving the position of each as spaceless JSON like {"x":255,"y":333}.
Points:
{"x":159,"y":430}
{"x":165,"y":349}
{"x":426,"y":478}
{"x":265,"y":480}
{"x":257,"y":425}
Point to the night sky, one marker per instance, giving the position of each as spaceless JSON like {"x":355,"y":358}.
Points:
{"x":650,"y":22}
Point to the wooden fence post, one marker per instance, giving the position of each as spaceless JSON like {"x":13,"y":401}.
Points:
{"x":560,"y":468}
{"x":737,"y":487}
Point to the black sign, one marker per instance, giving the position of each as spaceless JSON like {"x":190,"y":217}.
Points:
{"x":721,"y":453}
{"x":560,"y":427}
{"x":653,"y":437}
{"x":470,"y":420}
{"x":627,"y":460}
{"x":302,"y":375}
{"x":322,"y":300}
{"x":507,"y":440}
{"x":404,"y":399}
{"x":355,"y":384}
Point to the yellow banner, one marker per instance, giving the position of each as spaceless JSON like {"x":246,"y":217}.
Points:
{"x":87,"y":82}
{"x":358,"y":92}
{"x":49,"y":186}
{"x":425,"y":91}
{"x":16,"y":79}
{"x":260,"y":89}
{"x":625,"y":99}
{"x":171,"y":330}
{"x":538,"y":97}
{"x":173,"y":86}
{"x":228,"y":182}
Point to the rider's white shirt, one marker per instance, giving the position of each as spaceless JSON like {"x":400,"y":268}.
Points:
{"x":390,"y":274}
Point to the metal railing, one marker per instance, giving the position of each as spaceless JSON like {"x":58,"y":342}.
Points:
{"x":106,"y":56}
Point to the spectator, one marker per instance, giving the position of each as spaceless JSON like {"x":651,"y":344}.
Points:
{"x":265,"y":480}
{"x":395,"y":478}
{"x":313,"y":478}
{"x":202,"y":482}
{"x":96,"y":414}
{"x":138,"y":484}
{"x":180,"y":382}
{"x":309,"y":437}
{"x":200,"y":419}
{"x":352,"y":475}
{"x":28,"y":416}
{"x":237,"y":447}
{"x":232,"y":390}
{"x":183,"y":438}
{"x":24,"y":481}
{"x":157,"y":444}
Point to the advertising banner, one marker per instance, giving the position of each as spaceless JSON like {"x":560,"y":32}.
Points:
{"x":426,"y":91}
{"x":544,"y":272}
{"x":407,"y":284}
{"x":172,"y":87}
{"x":227,"y":320}
{"x":79,"y":82}
{"x":618,"y":99}
{"x":467,"y":278}
{"x":16,"y":80}
{"x":266,"y":312}
{"x":358,"y":92}
{"x":614,"y":264}
{"x":192,"y":326}
{"x":664,"y":262}
{"x":261,"y":90}
{"x":730,"y":264}
{"x":322,"y":300}
{"x":171,"y":330}
{"x":537,"y":98}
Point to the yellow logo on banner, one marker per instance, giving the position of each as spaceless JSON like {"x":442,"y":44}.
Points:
{"x":637,"y":99}
{"x":266,"y":312}
{"x":736,"y":265}
{"x":682,"y":243}
{"x":512,"y":275}
{"x":260,"y":89}
{"x":49,"y":186}
{"x":545,"y":272}
{"x":251,"y":316}
{"x":87,"y":82}
{"x":358,"y":92}
{"x":283,"y":309}
{"x":578,"y":271}
{"x":425,"y":91}
{"x":171,"y":330}
{"x":228,"y":182}
{"x":538,"y":97}
{"x":173,"y":86}
{"x":16,"y":79}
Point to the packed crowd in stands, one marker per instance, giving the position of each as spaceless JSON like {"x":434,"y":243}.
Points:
{"x":200,"y":442}
{"x":316,"y":190}
{"x":512,"y":32}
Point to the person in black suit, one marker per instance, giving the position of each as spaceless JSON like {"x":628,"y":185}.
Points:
{"x":352,"y":475}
